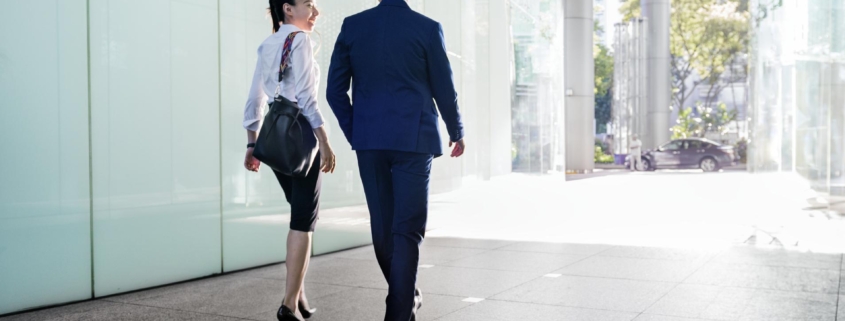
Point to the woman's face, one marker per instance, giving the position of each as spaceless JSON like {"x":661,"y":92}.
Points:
{"x":303,"y":15}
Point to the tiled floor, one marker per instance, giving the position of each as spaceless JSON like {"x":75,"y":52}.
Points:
{"x":546,"y":248}
{"x":517,"y":281}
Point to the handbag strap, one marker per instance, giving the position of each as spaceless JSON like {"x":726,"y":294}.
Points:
{"x":286,"y":55}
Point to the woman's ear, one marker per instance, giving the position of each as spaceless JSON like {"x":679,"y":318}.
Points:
{"x":287,"y":9}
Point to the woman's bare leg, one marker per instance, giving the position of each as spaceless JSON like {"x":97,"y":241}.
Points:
{"x":298,"y":256}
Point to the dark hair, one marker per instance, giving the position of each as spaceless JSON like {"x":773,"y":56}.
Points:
{"x":276,"y":11}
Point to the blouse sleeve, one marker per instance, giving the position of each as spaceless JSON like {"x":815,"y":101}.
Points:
{"x":303,"y":70}
{"x":254,"y":109}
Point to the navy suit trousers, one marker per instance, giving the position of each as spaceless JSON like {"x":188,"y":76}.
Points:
{"x":396,"y":185}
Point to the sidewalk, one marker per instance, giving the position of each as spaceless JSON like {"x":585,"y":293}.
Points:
{"x":514,"y":281}
{"x":541,"y":248}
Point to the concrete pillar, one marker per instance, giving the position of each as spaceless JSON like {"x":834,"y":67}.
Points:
{"x":659,"y":73}
{"x":579,"y":83}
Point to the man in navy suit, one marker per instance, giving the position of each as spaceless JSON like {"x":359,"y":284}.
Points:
{"x":396,"y":62}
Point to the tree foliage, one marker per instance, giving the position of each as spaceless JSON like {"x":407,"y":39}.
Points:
{"x":603,"y":83}
{"x":708,"y":38}
{"x":630,"y":9}
{"x":703,"y":120}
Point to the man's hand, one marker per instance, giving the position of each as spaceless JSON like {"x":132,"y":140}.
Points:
{"x":459,"y":148}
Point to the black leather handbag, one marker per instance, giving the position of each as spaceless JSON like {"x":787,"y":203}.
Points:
{"x":286,"y":141}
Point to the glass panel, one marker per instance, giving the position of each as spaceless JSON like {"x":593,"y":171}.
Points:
{"x":797,"y":91}
{"x":155,"y":136}
{"x":45,"y":249}
{"x":536,"y":98}
{"x":341,"y":228}
{"x":255,"y":221}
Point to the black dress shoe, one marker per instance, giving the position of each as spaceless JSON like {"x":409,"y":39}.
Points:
{"x":306,"y":310}
{"x":418,"y":300}
{"x":286,"y":314}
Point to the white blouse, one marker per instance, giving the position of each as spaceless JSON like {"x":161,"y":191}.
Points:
{"x":300,"y":81}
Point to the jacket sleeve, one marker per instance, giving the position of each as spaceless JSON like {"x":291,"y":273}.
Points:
{"x":442,"y":85}
{"x":337,"y":86}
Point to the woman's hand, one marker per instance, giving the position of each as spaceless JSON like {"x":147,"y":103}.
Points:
{"x":326,"y":153}
{"x":327,"y":158}
{"x":250,"y":162}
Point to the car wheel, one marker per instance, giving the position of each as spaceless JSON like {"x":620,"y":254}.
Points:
{"x":646,"y":165}
{"x":708,"y":164}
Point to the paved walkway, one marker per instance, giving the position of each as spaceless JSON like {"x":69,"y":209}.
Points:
{"x":536,"y":248}
{"x":515,"y":281}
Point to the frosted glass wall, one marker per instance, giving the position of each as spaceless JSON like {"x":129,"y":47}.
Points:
{"x":44,"y":178}
{"x":254,"y":208}
{"x":155,"y":142}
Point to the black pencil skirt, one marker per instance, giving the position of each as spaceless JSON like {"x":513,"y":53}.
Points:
{"x":303,"y":195}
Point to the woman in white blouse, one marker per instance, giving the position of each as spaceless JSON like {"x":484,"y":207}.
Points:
{"x":299,"y":85}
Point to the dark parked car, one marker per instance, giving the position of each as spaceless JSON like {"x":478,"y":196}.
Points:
{"x":707,"y":155}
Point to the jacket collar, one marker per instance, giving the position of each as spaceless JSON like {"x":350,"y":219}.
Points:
{"x":394,"y":3}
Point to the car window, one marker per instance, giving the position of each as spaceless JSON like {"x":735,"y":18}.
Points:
{"x":673,"y":145}
{"x":695,"y":144}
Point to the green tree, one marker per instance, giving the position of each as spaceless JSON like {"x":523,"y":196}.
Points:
{"x":707,"y":37}
{"x":703,"y":121}
{"x":630,"y":9}
{"x":716,"y":120}
{"x":687,"y":125}
{"x":604,"y":81}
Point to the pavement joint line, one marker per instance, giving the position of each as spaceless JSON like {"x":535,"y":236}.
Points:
{"x":682,"y":282}
{"x":540,"y":277}
{"x":540,"y":304}
{"x":561,"y":306}
{"x":458,"y":259}
{"x":472,"y":300}
{"x":446,"y":265}
{"x":679,"y":317}
{"x":506,"y":245}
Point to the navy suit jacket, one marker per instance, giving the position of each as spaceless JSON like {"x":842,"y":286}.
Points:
{"x":396,"y":62}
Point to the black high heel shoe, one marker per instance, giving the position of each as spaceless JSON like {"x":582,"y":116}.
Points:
{"x":286,"y":314}
{"x":305,"y":310}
